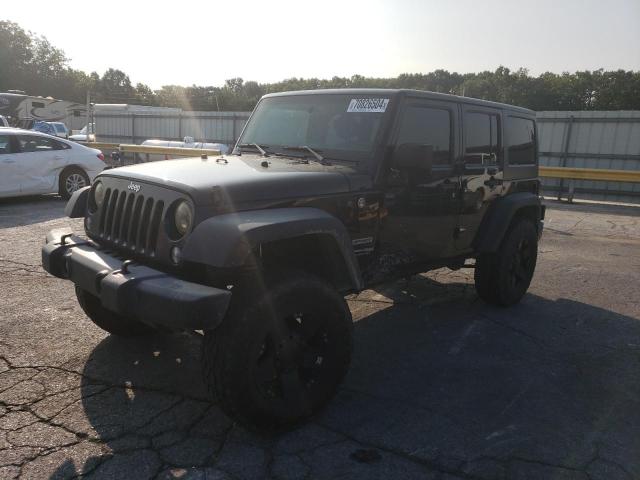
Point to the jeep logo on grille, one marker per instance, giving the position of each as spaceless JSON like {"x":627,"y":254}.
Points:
{"x":134,"y":186}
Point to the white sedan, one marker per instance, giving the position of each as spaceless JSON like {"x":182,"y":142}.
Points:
{"x":32,"y":163}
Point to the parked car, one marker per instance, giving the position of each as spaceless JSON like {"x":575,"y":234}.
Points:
{"x":326,"y":193}
{"x":81,"y":135}
{"x":57,"y":129}
{"x":42,"y":127}
{"x":34,"y":163}
{"x":60,"y":129}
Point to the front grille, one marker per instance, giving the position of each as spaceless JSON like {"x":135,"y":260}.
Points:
{"x":129,"y":220}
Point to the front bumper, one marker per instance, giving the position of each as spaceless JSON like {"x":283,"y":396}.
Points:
{"x":133,"y":290}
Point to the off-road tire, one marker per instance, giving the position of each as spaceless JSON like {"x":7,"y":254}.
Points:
{"x":108,"y":321}
{"x":502,"y":278}
{"x":246,"y":367}
{"x":72,"y":176}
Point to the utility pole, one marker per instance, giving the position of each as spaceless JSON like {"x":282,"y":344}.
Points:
{"x":88,"y":124}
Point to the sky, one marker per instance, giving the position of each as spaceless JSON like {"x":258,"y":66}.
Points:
{"x":206,"y":42}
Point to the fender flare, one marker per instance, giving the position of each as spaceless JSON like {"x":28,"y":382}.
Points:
{"x":76,"y":206}
{"x":498,"y":218}
{"x":227,"y":240}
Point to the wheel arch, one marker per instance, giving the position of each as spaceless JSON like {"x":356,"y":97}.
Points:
{"x":65,"y":170}
{"x":307,"y":239}
{"x":71,"y":166}
{"x":500,"y":216}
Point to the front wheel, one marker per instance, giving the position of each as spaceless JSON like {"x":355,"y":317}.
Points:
{"x":502,"y":278}
{"x":280,"y":353}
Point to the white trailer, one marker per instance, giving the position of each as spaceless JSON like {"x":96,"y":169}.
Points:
{"x":22,"y":110}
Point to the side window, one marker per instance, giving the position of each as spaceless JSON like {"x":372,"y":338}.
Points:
{"x":481,"y":137}
{"x":428,"y":126}
{"x":37,"y":104}
{"x":521,"y":135}
{"x":5,"y":144}
{"x":34,"y":143}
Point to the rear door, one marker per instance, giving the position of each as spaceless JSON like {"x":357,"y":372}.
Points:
{"x":482,"y":168}
{"x":9,"y":171}
{"x":40,"y":159}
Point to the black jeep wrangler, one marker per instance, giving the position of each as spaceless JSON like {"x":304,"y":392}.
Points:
{"x":326,"y":193}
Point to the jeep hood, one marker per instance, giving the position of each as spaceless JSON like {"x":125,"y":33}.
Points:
{"x":243,"y":178}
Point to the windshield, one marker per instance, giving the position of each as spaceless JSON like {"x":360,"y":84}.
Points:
{"x":339,"y":126}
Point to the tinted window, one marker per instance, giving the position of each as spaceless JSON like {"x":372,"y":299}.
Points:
{"x":522,"y":141}
{"x":428,"y":126}
{"x":34,"y":143}
{"x":5,"y":144}
{"x":481,"y":136}
{"x":37,"y":104}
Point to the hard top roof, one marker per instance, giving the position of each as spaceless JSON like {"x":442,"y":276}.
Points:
{"x":406,"y":92}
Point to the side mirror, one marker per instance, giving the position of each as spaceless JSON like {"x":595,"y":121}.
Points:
{"x":414,"y":155}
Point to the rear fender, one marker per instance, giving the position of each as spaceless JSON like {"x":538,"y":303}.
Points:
{"x":499,"y":217}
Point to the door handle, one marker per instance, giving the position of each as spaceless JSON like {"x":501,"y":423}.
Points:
{"x":8,"y":161}
{"x":59,"y":157}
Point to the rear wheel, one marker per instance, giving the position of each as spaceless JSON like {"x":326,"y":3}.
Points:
{"x":107,"y":320}
{"x":280,"y":353}
{"x":502,"y":278}
{"x":71,"y":180}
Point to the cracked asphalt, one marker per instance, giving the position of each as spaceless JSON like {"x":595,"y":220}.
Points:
{"x":442,"y":386}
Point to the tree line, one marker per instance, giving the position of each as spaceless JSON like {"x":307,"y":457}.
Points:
{"x":30,"y":63}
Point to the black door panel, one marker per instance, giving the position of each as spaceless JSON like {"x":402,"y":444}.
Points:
{"x":422,"y":204}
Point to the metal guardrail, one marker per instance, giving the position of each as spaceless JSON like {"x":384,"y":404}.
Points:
{"x":632,"y":176}
{"x":597,"y":174}
{"x":101,"y":145}
{"x":178,"y":151}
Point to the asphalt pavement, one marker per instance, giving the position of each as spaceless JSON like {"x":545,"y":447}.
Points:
{"x":442,"y":386}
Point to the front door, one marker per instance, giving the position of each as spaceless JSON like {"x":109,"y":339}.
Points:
{"x":422,"y":204}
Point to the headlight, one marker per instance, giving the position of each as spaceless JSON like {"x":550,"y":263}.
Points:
{"x":98,"y":194}
{"x":184,"y":217}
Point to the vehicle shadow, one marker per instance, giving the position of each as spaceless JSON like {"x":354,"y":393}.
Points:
{"x":461,"y":387}
{"x":21,"y":211}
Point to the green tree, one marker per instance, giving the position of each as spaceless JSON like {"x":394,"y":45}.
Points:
{"x":31,"y":63}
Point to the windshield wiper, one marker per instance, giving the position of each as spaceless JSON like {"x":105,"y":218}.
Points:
{"x":262,"y":151}
{"x":313,"y":152}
